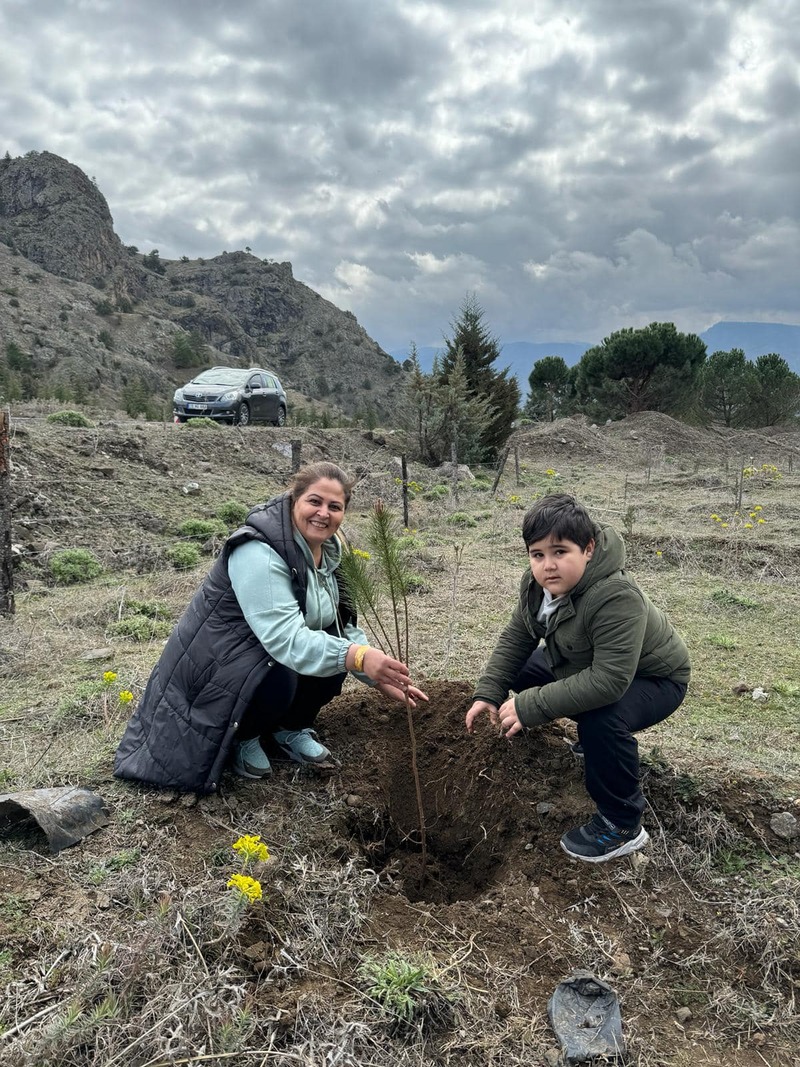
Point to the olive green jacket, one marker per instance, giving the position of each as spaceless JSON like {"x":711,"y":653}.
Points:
{"x":604,"y":634}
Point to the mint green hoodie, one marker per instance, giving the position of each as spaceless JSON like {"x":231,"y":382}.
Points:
{"x":263,"y":587}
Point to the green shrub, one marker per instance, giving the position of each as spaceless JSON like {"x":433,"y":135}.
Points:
{"x":202,"y":529}
{"x":201,"y":423}
{"x":140,"y":627}
{"x":460,"y":518}
{"x":407,"y":991}
{"x":72,"y":565}
{"x":105,"y":338}
{"x":70,"y":418}
{"x":435,"y":492}
{"x":726,"y":599}
{"x":150,"y":608}
{"x":232,"y":513}
{"x":183,"y":557}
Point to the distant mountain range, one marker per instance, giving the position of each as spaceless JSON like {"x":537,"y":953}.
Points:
{"x":754,"y":338}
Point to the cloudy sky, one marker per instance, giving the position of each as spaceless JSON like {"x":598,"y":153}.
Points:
{"x":580,"y":165}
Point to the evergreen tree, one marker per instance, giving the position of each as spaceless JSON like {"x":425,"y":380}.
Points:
{"x":442,"y":410}
{"x":777,"y":391}
{"x":727,"y":386}
{"x":188,"y":349}
{"x":654,"y":368}
{"x":550,"y":388}
{"x":498,"y":388}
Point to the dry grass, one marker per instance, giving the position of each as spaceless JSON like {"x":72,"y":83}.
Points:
{"x":124,"y":950}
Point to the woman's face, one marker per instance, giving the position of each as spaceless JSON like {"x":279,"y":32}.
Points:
{"x":318,"y":512}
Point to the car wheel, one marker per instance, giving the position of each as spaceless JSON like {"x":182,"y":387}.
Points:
{"x":281,"y":417}
{"x":242,"y":416}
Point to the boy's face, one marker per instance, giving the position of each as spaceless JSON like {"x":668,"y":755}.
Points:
{"x":558,"y":565}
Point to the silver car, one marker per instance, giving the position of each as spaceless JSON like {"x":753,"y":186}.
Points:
{"x":233,"y":395}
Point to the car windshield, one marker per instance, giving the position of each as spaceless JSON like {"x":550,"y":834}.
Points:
{"x":222,"y":376}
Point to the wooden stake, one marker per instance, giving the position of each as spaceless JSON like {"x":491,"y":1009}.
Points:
{"x":404,"y":469}
{"x":6,"y":562}
{"x":297,"y":450}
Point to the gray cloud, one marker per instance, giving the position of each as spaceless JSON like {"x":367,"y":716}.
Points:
{"x":581,"y":167}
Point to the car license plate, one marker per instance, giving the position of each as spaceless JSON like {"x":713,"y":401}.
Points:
{"x":196,"y":407}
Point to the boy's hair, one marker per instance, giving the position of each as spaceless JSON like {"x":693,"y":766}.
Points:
{"x":562,"y":516}
{"x":313,"y":472}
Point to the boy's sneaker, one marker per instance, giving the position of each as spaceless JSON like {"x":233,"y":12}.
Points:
{"x":302,"y":746}
{"x":250,"y":760}
{"x":599,"y":840}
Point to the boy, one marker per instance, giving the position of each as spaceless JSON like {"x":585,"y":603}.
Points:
{"x":611,"y":661}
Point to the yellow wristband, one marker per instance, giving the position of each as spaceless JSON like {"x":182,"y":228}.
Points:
{"x":358,"y":661}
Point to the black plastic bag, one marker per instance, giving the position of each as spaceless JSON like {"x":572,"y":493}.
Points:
{"x":584,"y":1012}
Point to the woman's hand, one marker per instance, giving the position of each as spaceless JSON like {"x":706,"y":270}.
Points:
{"x":394,"y":693}
{"x":384,"y":670}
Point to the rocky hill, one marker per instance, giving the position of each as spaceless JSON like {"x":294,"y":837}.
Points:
{"x":86,"y":315}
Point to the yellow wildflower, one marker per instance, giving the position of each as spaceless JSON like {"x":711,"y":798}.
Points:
{"x":761,"y":522}
{"x":359,"y":554}
{"x":659,"y":553}
{"x":715,"y":517}
{"x":249,"y":888}
{"x":125,"y":696}
{"x":748,"y":526}
{"x":109,"y":677}
{"x":758,"y":508}
{"x":551,"y":473}
{"x":724,"y":525}
{"x":251,"y":847}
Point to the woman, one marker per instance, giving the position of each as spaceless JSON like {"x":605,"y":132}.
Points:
{"x":267,"y":640}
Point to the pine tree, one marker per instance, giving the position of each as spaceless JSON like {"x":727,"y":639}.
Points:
{"x":499,"y":389}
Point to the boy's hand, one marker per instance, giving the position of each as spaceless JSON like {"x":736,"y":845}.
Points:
{"x":478,"y":708}
{"x":508,"y":718}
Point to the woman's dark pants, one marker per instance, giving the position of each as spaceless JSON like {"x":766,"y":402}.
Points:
{"x":611,"y":752}
{"x":286,"y":700}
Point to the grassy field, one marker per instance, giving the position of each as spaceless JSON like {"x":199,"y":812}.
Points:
{"x":129,"y":948}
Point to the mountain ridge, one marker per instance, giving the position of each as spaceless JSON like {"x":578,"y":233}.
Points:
{"x":88,"y":314}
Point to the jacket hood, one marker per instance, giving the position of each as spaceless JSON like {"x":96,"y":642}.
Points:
{"x":608,"y":557}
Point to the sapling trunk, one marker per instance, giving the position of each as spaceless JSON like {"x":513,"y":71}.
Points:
{"x":365,"y":586}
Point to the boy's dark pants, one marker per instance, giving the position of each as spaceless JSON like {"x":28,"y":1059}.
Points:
{"x":610,"y":750}
{"x":288,"y":701}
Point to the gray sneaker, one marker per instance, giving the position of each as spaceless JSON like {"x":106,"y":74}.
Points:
{"x":301,"y":746}
{"x":250,"y":760}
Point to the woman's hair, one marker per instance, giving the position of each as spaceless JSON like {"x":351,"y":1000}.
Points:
{"x":313,"y":472}
{"x":562,"y":516}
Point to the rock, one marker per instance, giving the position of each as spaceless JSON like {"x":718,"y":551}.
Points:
{"x":462,"y":472}
{"x":621,"y":964}
{"x":552,"y":1057}
{"x":97,"y":653}
{"x":741,"y":689}
{"x":190,"y":488}
{"x":639,"y":861}
{"x":544,"y":808}
{"x":683,"y":1015}
{"x":167,"y":796}
{"x":189,"y":800}
{"x":759,"y":694}
{"x":353,"y":800}
{"x":784,"y":825}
